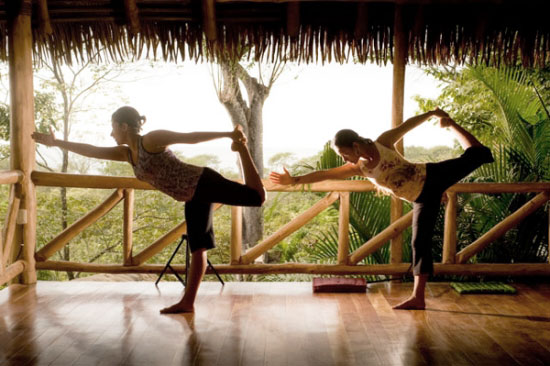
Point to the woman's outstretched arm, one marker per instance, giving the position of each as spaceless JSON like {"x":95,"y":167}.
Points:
{"x":160,"y":139}
{"x":341,"y":172}
{"x":391,"y":137}
{"x":119,"y":153}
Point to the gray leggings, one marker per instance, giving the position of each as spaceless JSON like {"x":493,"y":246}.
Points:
{"x":439,"y":177}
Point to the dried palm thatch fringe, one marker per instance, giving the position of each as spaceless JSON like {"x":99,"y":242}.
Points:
{"x":177,"y":42}
{"x":328,"y":32}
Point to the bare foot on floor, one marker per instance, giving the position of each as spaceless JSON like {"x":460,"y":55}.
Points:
{"x":177,"y":309}
{"x":412,"y":303}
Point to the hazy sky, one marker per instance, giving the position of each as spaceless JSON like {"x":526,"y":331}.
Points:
{"x":307,"y":105}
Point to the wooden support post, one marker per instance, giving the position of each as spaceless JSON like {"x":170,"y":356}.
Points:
{"x":10,"y":224}
{"x":236,"y":233}
{"x":44,"y":17}
{"x":69,"y":233}
{"x":22,"y":125}
{"x":382,"y":238}
{"x":289,"y":228}
{"x":449,"y":236}
{"x":502,"y":227}
{"x":343,"y":229}
{"x":398,"y":93}
{"x":128,"y":225}
{"x":293,"y":19}
{"x":132,"y":16}
{"x":209,"y":19}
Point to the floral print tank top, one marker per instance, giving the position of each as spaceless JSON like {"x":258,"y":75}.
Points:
{"x":167,"y":173}
{"x":395,"y":175}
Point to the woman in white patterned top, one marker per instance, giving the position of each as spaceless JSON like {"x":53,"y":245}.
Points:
{"x":421,"y":184}
{"x":199,"y":187}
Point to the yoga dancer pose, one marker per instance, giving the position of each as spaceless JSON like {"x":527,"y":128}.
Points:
{"x":421,"y":184}
{"x":199,"y":187}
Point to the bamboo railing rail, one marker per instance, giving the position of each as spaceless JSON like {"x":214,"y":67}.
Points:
{"x":347,"y":263}
{"x":13,"y":178}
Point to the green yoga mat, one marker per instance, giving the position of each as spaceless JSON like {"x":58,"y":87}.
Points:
{"x":482,"y":288}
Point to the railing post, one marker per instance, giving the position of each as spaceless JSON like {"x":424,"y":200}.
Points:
{"x":343,"y":229}
{"x":449,"y":236}
{"x":236,"y":234}
{"x":128,"y":226}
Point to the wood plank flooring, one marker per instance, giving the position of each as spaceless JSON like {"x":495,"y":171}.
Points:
{"x":117,"y":323}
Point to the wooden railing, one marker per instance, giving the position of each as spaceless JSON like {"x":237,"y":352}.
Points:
{"x":347,"y":263}
{"x":9,"y":272}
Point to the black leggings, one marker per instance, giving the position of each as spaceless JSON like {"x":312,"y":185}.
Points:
{"x":439,"y":177}
{"x":212,"y":188}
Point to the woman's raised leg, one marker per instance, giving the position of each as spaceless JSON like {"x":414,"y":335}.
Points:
{"x":251,"y":177}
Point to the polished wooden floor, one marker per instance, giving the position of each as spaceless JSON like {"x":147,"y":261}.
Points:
{"x":117,"y":323}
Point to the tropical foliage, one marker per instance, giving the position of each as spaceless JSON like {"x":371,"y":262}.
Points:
{"x":511,"y":116}
{"x":369,"y":214}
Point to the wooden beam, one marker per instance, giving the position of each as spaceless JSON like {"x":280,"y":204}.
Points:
{"x":87,"y":181}
{"x":343,"y":229}
{"x":11,"y":176}
{"x":236,"y":233}
{"x":325,"y":186}
{"x":289,"y":228}
{"x":361,"y":21}
{"x":449,"y":235}
{"x":293,"y":19}
{"x":13,"y":270}
{"x":132,"y":16}
{"x":44,"y":17}
{"x":382,"y":238}
{"x":400,"y":42}
{"x":98,"y":181}
{"x":499,"y":187}
{"x":495,"y":269}
{"x":209,"y":19}
{"x":8,"y":231}
{"x":502,"y":227}
{"x":128,"y":226}
{"x":76,"y":228}
{"x":22,"y":156}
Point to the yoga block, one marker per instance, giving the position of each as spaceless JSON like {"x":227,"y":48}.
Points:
{"x":339,"y":284}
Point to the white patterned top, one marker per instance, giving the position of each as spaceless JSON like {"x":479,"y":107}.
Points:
{"x":167,"y":173}
{"x":396,"y":175}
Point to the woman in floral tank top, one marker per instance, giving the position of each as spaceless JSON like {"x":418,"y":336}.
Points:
{"x":421,"y":184}
{"x":198,"y":187}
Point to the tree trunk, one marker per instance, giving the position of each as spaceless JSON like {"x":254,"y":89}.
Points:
{"x":253,"y":216}
{"x":250,"y":117}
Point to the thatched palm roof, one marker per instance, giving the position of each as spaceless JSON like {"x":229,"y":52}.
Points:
{"x":438,"y":31}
